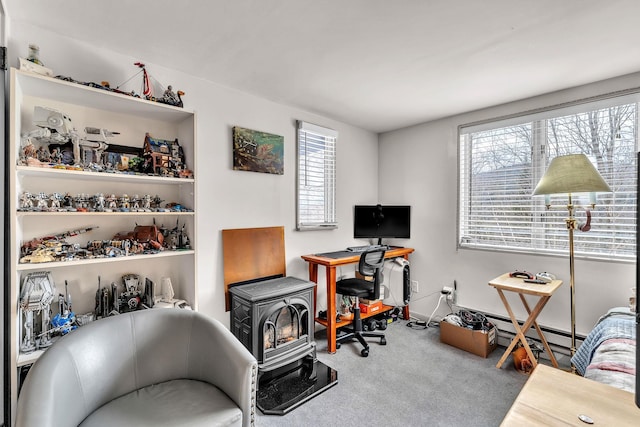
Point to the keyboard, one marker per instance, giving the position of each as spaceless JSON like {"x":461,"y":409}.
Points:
{"x":365,"y":248}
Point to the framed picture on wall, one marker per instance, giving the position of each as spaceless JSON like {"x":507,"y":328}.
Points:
{"x":257,"y":151}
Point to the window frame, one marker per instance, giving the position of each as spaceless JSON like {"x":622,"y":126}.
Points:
{"x":539,"y":159}
{"x":324,"y":167}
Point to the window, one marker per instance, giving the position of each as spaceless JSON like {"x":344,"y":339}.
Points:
{"x":316,"y":204}
{"x":502,"y":161}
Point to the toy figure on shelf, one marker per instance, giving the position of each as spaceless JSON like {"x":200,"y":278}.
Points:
{"x":54,"y":132}
{"x":65,"y":320}
{"x":172,"y":98}
{"x":176,"y":238}
{"x":133,"y":298}
{"x":112,"y":203}
{"x":26,"y":201}
{"x":146,"y":203}
{"x":164,"y":157}
{"x":41,"y":202}
{"x":168,"y":97}
{"x":34,"y":54}
{"x":103,"y":302}
{"x":36,"y":295}
{"x":56,"y":200}
{"x":95,"y":144}
{"x":149,"y":236}
{"x":99,"y":202}
{"x":81,"y":202}
{"x":135,"y":203}
{"x":125,"y":203}
{"x":167,"y":300}
{"x":68,"y":203}
{"x":32,"y":62}
{"x":156,"y":202}
{"x":56,"y":156}
{"x":48,"y":245}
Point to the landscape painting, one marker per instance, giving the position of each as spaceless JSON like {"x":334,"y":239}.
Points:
{"x":257,"y":151}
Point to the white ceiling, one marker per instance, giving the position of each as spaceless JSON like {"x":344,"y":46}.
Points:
{"x":377,"y":64}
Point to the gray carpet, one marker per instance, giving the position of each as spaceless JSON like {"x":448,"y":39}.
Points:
{"x":414,"y":380}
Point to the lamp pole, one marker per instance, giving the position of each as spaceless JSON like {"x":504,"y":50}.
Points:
{"x":571,"y":226}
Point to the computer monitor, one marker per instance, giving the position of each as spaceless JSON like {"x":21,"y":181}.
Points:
{"x":381,"y":222}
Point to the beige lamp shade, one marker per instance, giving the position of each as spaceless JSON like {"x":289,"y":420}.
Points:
{"x":573,"y":173}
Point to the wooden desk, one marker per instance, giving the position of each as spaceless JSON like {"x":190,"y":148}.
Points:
{"x":552,"y":397}
{"x":519,"y":286}
{"x":330,"y":265}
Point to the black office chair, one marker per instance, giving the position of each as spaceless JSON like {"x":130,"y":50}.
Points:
{"x":371,"y":263}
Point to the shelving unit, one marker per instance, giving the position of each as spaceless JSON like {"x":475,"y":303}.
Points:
{"x":132,"y":118}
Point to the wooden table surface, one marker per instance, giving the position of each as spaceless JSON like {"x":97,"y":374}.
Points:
{"x":517,"y":284}
{"x":553,"y":397}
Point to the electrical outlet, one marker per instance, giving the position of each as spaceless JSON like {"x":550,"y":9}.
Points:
{"x":450,"y":293}
{"x":415,"y":286}
{"x":452,"y":297}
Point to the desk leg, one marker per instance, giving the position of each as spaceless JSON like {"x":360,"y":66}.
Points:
{"x":552,"y":357}
{"x":331,"y":309}
{"x":313,"y":277}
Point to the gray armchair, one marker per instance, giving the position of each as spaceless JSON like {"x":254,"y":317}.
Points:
{"x":159,"y":367}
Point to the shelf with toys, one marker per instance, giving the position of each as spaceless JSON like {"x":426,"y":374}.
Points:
{"x":100,"y":176}
{"x":135,"y":258}
{"x":101,"y":209}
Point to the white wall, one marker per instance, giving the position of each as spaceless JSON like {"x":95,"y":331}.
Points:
{"x":228,"y":198}
{"x":419,"y":164}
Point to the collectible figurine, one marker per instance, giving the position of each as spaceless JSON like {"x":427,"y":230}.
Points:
{"x":156,"y":202}
{"x":26,"y":201}
{"x":41,"y":201}
{"x":99,"y":202}
{"x":36,"y":295}
{"x":81,"y":202}
{"x":124,"y":203}
{"x":176,"y":238}
{"x":166,"y":300}
{"x":64,"y":321}
{"x":165,"y":157}
{"x":34,"y":54}
{"x":68,"y":203}
{"x":56,"y":200}
{"x":146,"y":203}
{"x":171,"y":98}
{"x":135,"y":201}
{"x":131,"y":298}
{"x":112,"y":203}
{"x":103,"y":302}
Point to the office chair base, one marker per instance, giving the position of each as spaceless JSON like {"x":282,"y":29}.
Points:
{"x":359,"y":336}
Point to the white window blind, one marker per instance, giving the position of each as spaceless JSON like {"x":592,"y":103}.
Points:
{"x":501,"y":163}
{"x":316,"y":198}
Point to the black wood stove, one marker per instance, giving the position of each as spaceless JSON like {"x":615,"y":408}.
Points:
{"x":274,"y":320}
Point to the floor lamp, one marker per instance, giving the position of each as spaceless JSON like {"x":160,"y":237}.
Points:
{"x":569,"y":175}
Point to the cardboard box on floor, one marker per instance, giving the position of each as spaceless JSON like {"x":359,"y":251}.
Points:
{"x":478,"y":342}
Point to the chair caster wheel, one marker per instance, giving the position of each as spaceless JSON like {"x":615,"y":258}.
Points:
{"x":364,"y":352}
{"x":383,"y":341}
{"x":337,"y":345}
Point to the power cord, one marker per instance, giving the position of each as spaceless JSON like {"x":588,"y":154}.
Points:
{"x":418,"y":324}
{"x":442,"y":296}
